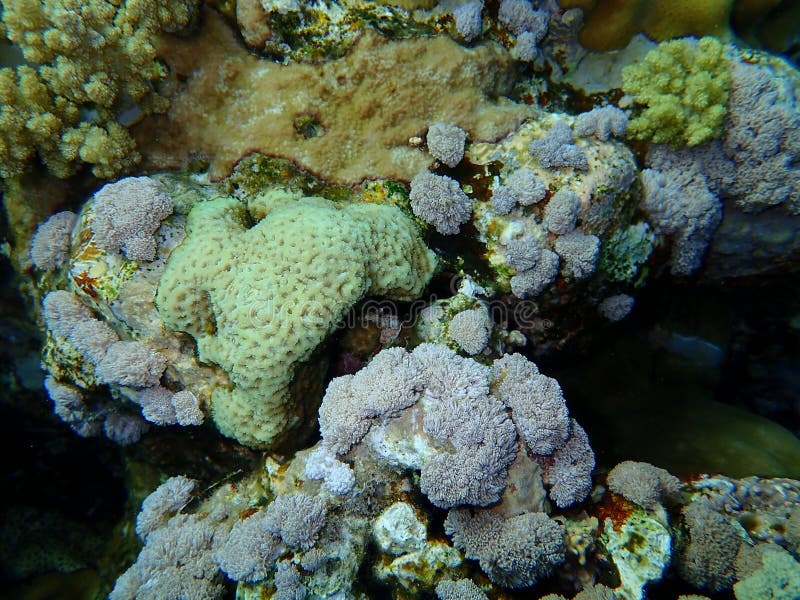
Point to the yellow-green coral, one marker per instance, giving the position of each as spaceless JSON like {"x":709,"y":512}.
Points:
{"x":96,"y":64}
{"x":682,"y":88}
{"x":259,"y":299}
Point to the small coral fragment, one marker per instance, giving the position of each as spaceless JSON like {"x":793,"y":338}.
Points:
{"x":446,"y":143}
{"x":440,"y":201}
{"x":602,"y":122}
{"x":556,"y":149}
{"x":617,"y":307}
{"x":642,"y":483}
{"x":469,"y":329}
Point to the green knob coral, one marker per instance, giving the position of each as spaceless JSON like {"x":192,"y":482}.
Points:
{"x":260,"y":298}
{"x":682,"y":86}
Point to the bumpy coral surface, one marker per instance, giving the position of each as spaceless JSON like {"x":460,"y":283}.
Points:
{"x":97,"y":62}
{"x":366,"y":105}
{"x":259,"y":299}
{"x":682,"y":87}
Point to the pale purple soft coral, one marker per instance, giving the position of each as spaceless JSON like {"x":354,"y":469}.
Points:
{"x":63,"y":310}
{"x":579,"y":253}
{"x":533,"y":281}
{"x":287,"y":581}
{"x":526,"y":49}
{"x":132,"y":364}
{"x":187,"y":408}
{"x":340,"y":421}
{"x":127,"y":214}
{"x":337,"y":476}
{"x":523,"y":253}
{"x":470,"y":330}
{"x":124,"y":428}
{"x":642,"y":483}
{"x":177,"y":561}
{"x":469,"y":22}
{"x":519,"y":16}
{"x":680,"y":204}
{"x":446,"y":143}
{"x":254,"y":543}
{"x":462,"y":589}
{"x":602,"y":122}
{"x":761,"y":137}
{"x":50,"y":243}
{"x":561,"y":212}
{"x":156,"y":403}
{"x":515,"y":552}
{"x":504,"y":199}
{"x":297,"y":519}
{"x":440,"y":201}
{"x":556,"y":149}
{"x":70,"y":406}
{"x":162,"y":503}
{"x":568,"y":471}
{"x":528,"y":187}
{"x":250,"y":549}
{"x":616,"y":307}
{"x":92,"y":338}
{"x":484,"y":443}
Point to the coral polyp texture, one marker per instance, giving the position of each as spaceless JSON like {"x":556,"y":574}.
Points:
{"x":259,"y":298}
{"x":682,"y":88}
{"x":95,"y":66}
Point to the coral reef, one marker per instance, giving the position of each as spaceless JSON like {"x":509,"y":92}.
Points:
{"x":292,"y":354}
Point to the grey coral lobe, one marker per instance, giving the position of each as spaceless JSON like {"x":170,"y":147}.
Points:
{"x":440,"y":201}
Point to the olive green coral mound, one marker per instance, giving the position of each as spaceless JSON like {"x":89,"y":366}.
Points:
{"x":259,"y":299}
{"x":682,"y":87}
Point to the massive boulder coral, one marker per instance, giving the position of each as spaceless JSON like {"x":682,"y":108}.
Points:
{"x":258,"y":299}
{"x":682,"y":89}
{"x":364,"y":107}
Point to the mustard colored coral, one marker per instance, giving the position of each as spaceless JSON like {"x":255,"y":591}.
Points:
{"x":90,"y":71}
{"x":681,"y":91}
{"x":260,"y":298}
